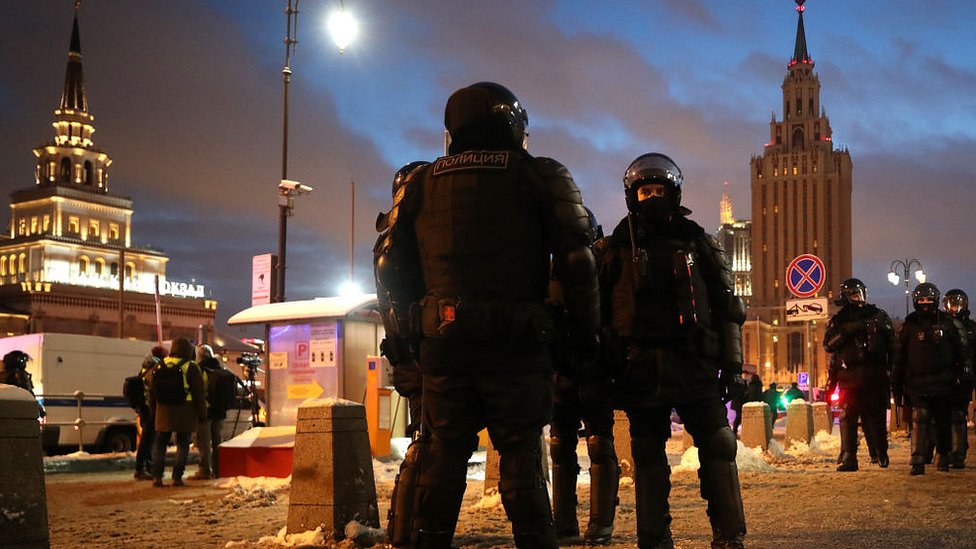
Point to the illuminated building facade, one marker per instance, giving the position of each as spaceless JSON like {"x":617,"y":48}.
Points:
{"x":735,"y":236}
{"x":801,"y":203}
{"x":67,"y":264}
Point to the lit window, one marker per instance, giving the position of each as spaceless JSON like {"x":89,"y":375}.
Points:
{"x":794,"y":169}
{"x":34,"y":227}
{"x":22,"y":227}
{"x":3,"y":265}
{"x":99,"y":266}
{"x":93,"y":227}
{"x":47,"y":223}
{"x":113,"y":231}
{"x":83,"y":265}
{"x":130,"y":270}
{"x":114,"y":269}
{"x":74,"y":225}
{"x":22,"y":268}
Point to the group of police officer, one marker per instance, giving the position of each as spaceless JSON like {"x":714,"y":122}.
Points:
{"x":930,"y":364}
{"x":505,"y":308}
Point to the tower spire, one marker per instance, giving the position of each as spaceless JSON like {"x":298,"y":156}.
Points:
{"x":800,"y":54}
{"x":73,"y":97}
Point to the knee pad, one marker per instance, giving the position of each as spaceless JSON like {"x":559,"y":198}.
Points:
{"x":443,"y":464}
{"x":600,"y":449}
{"x":520,"y":467}
{"x":720,"y":445}
{"x":648,"y":451}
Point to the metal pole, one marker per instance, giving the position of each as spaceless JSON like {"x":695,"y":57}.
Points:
{"x":121,"y":272}
{"x":283,"y":208}
{"x":352,"y":230}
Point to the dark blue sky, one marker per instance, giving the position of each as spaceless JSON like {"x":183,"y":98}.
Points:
{"x":187,"y":99}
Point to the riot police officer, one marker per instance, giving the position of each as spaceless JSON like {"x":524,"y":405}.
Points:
{"x":596,"y":414}
{"x":406,"y":380}
{"x":675,"y":325}
{"x":467,"y":261}
{"x":932,"y":363}
{"x":956,"y":303}
{"x":860,"y":338}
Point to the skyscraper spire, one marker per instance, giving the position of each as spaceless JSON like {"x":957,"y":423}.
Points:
{"x":800,"y":54}
{"x":73,"y":97}
{"x":725,"y":207}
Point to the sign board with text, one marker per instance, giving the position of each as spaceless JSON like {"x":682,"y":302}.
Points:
{"x":807,"y":309}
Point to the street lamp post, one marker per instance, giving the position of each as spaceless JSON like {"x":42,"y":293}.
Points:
{"x":905,"y":267}
{"x":343,"y":28}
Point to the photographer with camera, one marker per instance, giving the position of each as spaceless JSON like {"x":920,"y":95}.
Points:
{"x":15,"y":373}
{"x":251,"y":364}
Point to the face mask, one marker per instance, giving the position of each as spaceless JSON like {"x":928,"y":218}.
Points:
{"x":654,"y":210}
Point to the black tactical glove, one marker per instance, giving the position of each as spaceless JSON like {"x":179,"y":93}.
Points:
{"x":730,"y":383}
{"x":406,"y":378}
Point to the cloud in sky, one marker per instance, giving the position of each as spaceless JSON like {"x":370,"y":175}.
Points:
{"x":188,"y":96}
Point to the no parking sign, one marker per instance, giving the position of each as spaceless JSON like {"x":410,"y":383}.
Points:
{"x":805,"y":275}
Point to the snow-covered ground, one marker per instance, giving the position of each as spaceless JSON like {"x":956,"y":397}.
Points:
{"x":792,"y":497}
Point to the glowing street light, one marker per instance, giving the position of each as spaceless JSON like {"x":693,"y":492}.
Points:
{"x":343,"y":28}
{"x":905,"y":266}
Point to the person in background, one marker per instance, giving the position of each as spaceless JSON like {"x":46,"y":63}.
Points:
{"x":15,"y":373}
{"x":771,"y":397}
{"x":956,"y":303}
{"x":932,"y":364}
{"x":209,"y":431}
{"x":147,"y":423}
{"x":178,"y":402}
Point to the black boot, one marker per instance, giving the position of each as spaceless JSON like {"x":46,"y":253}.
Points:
{"x":848,"y":442}
{"x":921,"y":429}
{"x":525,"y":497}
{"x":426,"y":539}
{"x":719,"y":478}
{"x":942,"y":464}
{"x":604,"y":482}
{"x":403,"y":498}
{"x":565,"y":470}
{"x":652,"y":486}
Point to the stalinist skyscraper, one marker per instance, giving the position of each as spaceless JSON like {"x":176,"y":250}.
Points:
{"x":801,"y":204}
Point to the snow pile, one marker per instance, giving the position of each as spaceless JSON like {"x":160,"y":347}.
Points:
{"x":490,"y":500}
{"x":751,"y":459}
{"x":254,"y":492}
{"x":311,"y":537}
{"x":689,"y":462}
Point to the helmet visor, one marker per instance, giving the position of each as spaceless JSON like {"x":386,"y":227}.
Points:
{"x":650,"y":190}
{"x":954,"y":304}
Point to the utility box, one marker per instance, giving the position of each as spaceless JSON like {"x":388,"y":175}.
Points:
{"x":317,"y":348}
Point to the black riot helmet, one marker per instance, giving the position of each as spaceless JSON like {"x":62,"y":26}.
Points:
{"x":852,"y":292}
{"x":925,"y":297}
{"x":15,"y":360}
{"x":594,"y":229}
{"x":485,"y":115}
{"x":955,"y":302}
{"x":653,"y":169}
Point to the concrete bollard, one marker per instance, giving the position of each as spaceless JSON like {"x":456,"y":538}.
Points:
{"x":621,"y":443}
{"x":332,"y":470}
{"x":492,"y":473}
{"x":822,"y":419}
{"x":799,"y":422}
{"x":23,"y":513}
{"x":756,"y":429}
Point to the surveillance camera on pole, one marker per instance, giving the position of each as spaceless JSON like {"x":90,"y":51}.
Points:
{"x":289,"y":187}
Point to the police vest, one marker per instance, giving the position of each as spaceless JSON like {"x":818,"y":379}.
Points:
{"x":480,"y":228}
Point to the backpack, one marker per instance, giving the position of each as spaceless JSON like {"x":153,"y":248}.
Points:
{"x":221,"y":389}
{"x":168,"y":383}
{"x":134,"y":392}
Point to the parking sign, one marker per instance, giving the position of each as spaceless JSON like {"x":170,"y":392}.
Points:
{"x":803,"y":380}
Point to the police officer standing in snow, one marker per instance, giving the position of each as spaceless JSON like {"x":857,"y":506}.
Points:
{"x":670,"y":311}
{"x":932,"y":364}
{"x":400,"y":348}
{"x":861,"y":339}
{"x":469,"y":248}
{"x":593,"y":407}
{"x":956,"y":303}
